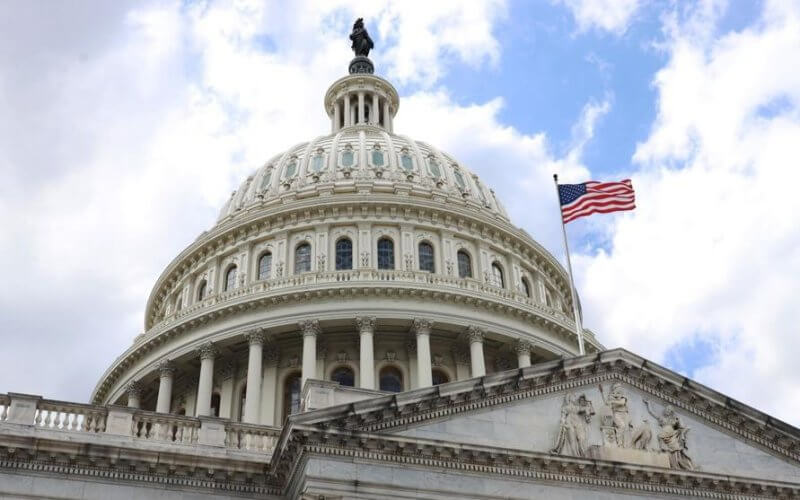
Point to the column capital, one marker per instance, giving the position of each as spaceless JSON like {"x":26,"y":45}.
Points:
{"x":255,"y":337}
{"x":166,"y":368}
{"x":310,"y":327}
{"x":134,"y":388}
{"x":366,"y":324}
{"x":522,"y":346}
{"x":421,"y":326}
{"x":474,"y":334}
{"x":208,"y":351}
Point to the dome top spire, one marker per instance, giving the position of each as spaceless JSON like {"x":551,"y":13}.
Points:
{"x":361,"y":46}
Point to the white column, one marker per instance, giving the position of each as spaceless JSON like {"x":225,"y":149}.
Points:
{"x":336,"y":116}
{"x":386,"y":115}
{"x":374,"y":111}
{"x":134,"y":390}
{"x":366,"y":328}
{"x":166,"y":372}
{"x":269,"y":385}
{"x":389,"y":118}
{"x":361,"y":107}
{"x":252,"y":402}
{"x":310,"y":329}
{"x":346,"y":110}
{"x":523,"y":350}
{"x":475,"y":337}
{"x":227,"y":375}
{"x":422,"y":329}
{"x":206,"y":383}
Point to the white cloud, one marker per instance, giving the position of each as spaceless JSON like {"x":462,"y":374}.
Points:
{"x":711,"y":250}
{"x":610,"y":15}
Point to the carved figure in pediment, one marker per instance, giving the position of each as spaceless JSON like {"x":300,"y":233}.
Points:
{"x":576,"y":413}
{"x":617,"y":402}
{"x":672,"y":437}
{"x":642,"y":436}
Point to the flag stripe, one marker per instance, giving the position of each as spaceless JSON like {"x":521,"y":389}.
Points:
{"x":595,"y":197}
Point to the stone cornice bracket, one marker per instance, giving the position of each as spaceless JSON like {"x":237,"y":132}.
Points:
{"x":421,"y":326}
{"x":166,"y":368}
{"x":522,"y":346}
{"x":134,"y":388}
{"x":208,"y":351}
{"x":366,"y":324}
{"x":310,"y":327}
{"x":474,"y":334}
{"x":256,"y":336}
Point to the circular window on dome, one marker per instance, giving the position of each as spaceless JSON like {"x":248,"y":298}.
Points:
{"x":291,"y":169}
{"x":433,"y":167}
{"x":317,"y":162}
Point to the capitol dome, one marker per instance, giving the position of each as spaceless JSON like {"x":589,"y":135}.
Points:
{"x":361,"y":258}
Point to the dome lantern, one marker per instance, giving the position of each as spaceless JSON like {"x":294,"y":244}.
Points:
{"x":361,"y":98}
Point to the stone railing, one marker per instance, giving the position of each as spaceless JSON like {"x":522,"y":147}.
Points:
{"x":138,"y":425}
{"x":357,"y":276}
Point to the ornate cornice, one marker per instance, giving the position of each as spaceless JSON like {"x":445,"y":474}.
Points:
{"x":309,"y":327}
{"x":520,"y":465}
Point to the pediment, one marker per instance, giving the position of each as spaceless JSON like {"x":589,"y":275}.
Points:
{"x":558,"y":408}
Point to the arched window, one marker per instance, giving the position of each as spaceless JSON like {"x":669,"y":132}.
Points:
{"x":215,"y":404}
{"x":344,"y":376}
{"x":344,"y":254}
{"x":201,"y":290}
{"x":497,"y":275}
{"x":230,"y":278}
{"x":291,"y":395}
{"x":391,"y":380}
{"x":302,"y":258}
{"x":464,"y":265}
{"x":526,"y":287}
{"x":439,"y":377}
{"x":265,"y":266}
{"x":385,"y":253}
{"x":426,"y":257}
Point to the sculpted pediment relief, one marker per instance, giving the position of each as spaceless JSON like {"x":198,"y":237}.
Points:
{"x":611,"y":421}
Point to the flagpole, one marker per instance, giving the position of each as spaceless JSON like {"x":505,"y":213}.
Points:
{"x":578,"y":327}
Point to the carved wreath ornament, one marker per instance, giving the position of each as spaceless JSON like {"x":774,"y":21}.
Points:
{"x":622,"y":439}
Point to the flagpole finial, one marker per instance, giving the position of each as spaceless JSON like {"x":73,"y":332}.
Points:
{"x":555,"y":177}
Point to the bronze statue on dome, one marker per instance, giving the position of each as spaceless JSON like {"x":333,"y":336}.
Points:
{"x":362,"y":43}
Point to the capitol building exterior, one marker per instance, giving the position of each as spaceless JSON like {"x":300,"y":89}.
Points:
{"x":364,"y":321}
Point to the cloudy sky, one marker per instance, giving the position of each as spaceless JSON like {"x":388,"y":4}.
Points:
{"x":125,"y":126}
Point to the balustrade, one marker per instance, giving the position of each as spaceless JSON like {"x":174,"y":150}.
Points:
{"x":257,"y":438}
{"x":70,"y":417}
{"x":153,"y":426}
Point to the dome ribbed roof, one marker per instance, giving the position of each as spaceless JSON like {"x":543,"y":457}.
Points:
{"x":357,"y":158}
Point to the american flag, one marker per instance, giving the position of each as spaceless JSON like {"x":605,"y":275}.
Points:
{"x":580,"y":200}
